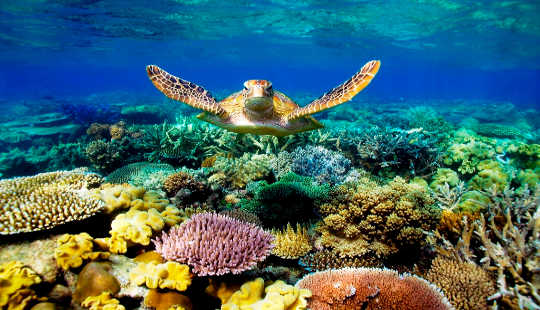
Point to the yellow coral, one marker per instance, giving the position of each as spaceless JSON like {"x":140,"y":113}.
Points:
{"x":71,"y":250}
{"x":291,"y":244}
{"x":168,"y":275}
{"x":46,"y":200}
{"x":279,"y":296}
{"x":163,"y":300}
{"x":102,"y":302}
{"x":126,"y":196}
{"x":15,"y":279}
{"x":223,"y":291}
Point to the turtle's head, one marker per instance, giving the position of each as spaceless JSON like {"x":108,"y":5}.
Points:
{"x":258,"y":95}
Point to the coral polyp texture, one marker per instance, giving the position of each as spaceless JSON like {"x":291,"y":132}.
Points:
{"x":371,"y":288}
{"x":47,"y":200}
{"x":214,"y":244}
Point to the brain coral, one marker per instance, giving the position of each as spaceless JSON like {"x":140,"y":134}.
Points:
{"x":371,"y":288}
{"x":214,"y":244}
{"x":370,"y":219}
{"x":46,"y":200}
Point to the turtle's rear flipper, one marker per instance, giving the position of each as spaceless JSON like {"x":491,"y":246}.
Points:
{"x":182,"y":90}
{"x":341,"y":93}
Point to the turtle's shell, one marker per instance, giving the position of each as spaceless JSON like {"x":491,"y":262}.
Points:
{"x":275,"y":124}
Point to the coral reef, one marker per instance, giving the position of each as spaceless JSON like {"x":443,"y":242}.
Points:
{"x":185,"y":189}
{"x":242,"y":216}
{"x":490,"y":173}
{"x":93,"y":280}
{"x":15,"y":282}
{"x":378,"y":220}
{"x":47,"y":200}
{"x":72,"y":250}
{"x":278,"y":296}
{"x":370,"y":288}
{"x":466,"y":285}
{"x":237,"y":172}
{"x":104,"y":301}
{"x":215,"y":244}
{"x":132,"y":172}
{"x":325,"y":259}
{"x":167,"y":300}
{"x":497,"y":130}
{"x":291,"y":244}
{"x":124,"y":196}
{"x":272,"y":202}
{"x":170,"y":275}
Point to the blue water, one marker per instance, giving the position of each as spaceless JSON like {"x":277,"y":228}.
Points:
{"x":428,"y":49}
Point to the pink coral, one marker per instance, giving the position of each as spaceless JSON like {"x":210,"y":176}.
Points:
{"x":215,"y":244}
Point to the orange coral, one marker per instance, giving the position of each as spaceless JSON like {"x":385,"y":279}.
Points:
{"x":182,"y":180}
{"x":371,"y":288}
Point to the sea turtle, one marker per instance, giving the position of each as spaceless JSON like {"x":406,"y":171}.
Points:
{"x":258,"y":108}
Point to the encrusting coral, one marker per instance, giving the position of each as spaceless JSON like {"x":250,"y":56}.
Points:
{"x":170,"y":275}
{"x":104,"y":301}
{"x":277,"y":296}
{"x":466,"y":285}
{"x":15,"y":282}
{"x":214,"y":244}
{"x":47,"y":200}
{"x":291,"y":244}
{"x":371,"y":288}
{"x":369,"y":219}
{"x":72,"y":250}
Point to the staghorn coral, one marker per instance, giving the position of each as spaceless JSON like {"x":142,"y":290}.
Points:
{"x":214,"y":244}
{"x":291,"y":244}
{"x":278,"y":296}
{"x":370,"y":288}
{"x":72,"y":250}
{"x":237,"y":172}
{"x":46,"y":200}
{"x":104,"y":301}
{"x":15,"y":281}
{"x":369,"y":219}
{"x":325,"y":259}
{"x":170,"y":275}
{"x":466,"y":285}
{"x":94,"y":279}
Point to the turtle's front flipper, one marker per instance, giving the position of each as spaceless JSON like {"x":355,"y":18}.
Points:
{"x":184,"y":91}
{"x":341,"y":93}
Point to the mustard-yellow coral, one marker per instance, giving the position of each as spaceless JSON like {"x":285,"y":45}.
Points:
{"x":375,"y":220}
{"x":102,"y":302}
{"x":168,"y":275}
{"x":15,"y":280}
{"x":279,"y":296}
{"x":47,"y":200}
{"x":291,"y":244}
{"x":124,"y":196}
{"x":71,"y":250}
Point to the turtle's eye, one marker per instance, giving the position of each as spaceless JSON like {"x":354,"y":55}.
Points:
{"x":269,"y":88}
{"x":245,"y":88}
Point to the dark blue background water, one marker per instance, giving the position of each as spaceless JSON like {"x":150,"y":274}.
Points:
{"x":83,"y":47}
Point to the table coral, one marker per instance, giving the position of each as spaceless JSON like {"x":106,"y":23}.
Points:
{"x":466,"y":285}
{"x":371,"y":288}
{"x":72,"y":250}
{"x":170,"y":275}
{"x":102,"y":302}
{"x":291,"y":244}
{"x":370,"y":219}
{"x":278,"y":296}
{"x":214,"y":244}
{"x":47,"y":200}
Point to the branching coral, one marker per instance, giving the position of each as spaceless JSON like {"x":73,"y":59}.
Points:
{"x":72,"y":250}
{"x":370,"y":288}
{"x":15,"y":282}
{"x":370,"y":219}
{"x":215,"y":244}
{"x":291,"y":244}
{"x":277,"y":296}
{"x":46,"y":200}
{"x":170,"y":275}
{"x":465,"y":284}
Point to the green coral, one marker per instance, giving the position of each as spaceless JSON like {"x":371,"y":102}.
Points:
{"x":473,"y":202}
{"x":468,"y":155}
{"x":291,"y":199}
{"x":237,"y":172}
{"x":444,"y":175}
{"x":490,"y":173}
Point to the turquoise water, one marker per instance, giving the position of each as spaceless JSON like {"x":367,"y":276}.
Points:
{"x":450,"y":125}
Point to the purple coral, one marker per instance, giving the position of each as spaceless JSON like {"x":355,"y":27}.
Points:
{"x":215,"y":244}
